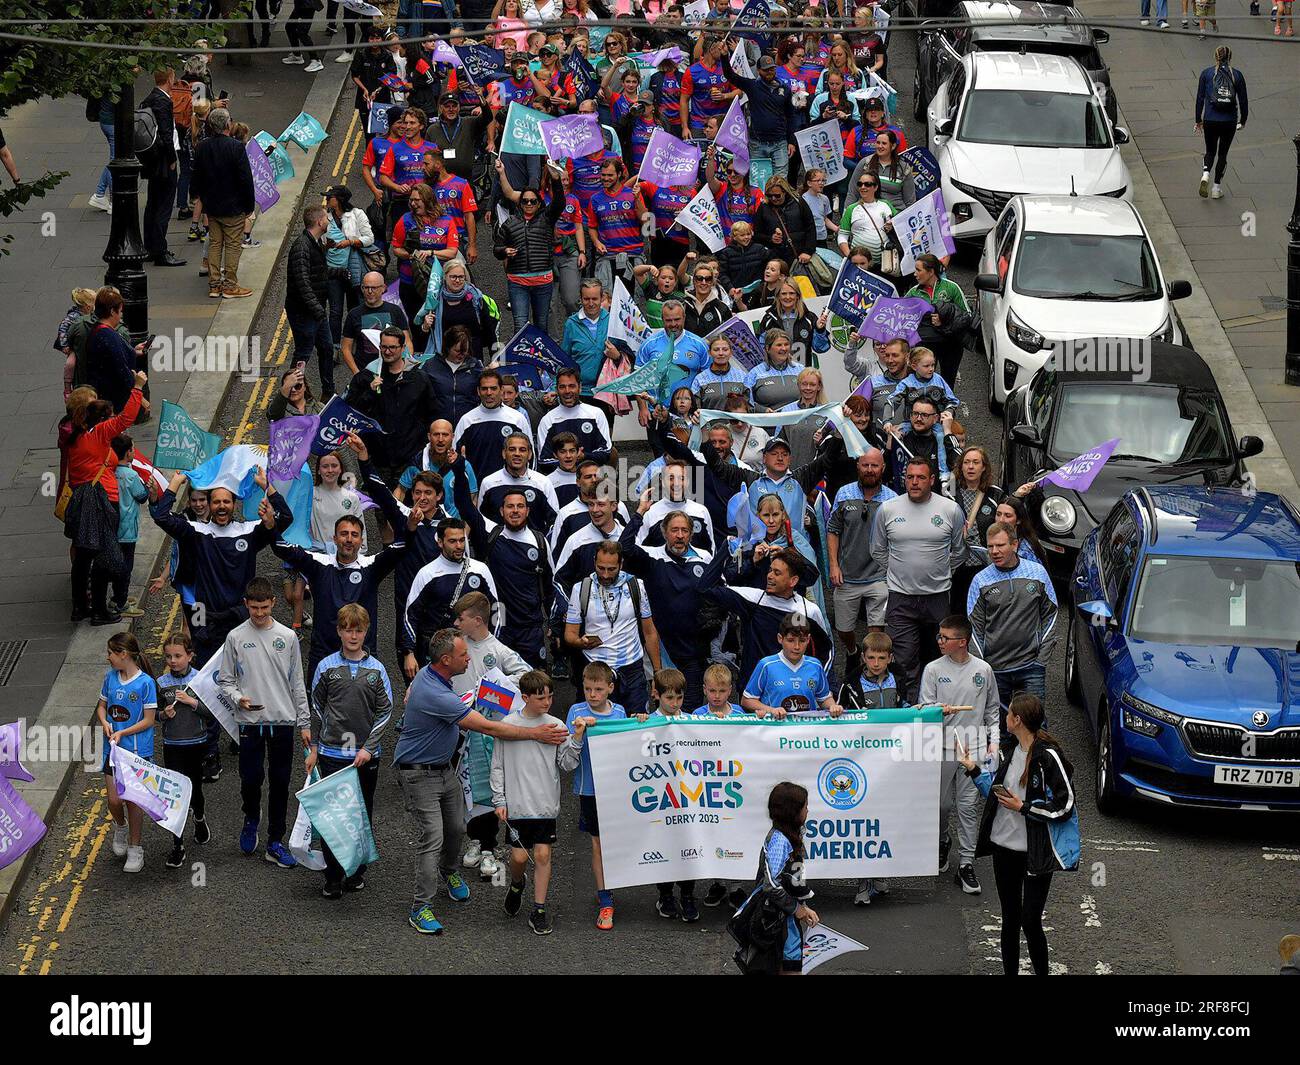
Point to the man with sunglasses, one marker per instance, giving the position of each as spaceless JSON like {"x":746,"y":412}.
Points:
{"x":374,"y":314}
{"x":857,"y":579}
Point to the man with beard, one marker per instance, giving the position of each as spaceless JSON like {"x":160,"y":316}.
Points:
{"x":928,"y":438}
{"x":439,"y":584}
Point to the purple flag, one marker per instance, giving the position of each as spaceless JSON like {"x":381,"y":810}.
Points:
{"x":391,"y":294}
{"x":264,"y":190}
{"x":11,"y":752}
{"x":733,"y":135}
{"x":20,"y":828}
{"x":890,"y":318}
{"x":653,"y":59}
{"x":669,"y":161}
{"x":572,"y":136}
{"x":1078,"y":473}
{"x":864,"y":390}
{"x":445,"y":53}
{"x":290,"y":444}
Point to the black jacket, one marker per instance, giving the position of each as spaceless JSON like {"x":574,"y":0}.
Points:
{"x":533,"y":241}
{"x":704,"y":322}
{"x":163,"y":154}
{"x":223,"y":177}
{"x":404,"y":406}
{"x":742,"y":266}
{"x":455,"y":393}
{"x":307,"y":284}
{"x":368,"y":66}
{"x":771,"y":111}
{"x":794,"y":220}
{"x":804,"y":330}
{"x":1049,"y":771}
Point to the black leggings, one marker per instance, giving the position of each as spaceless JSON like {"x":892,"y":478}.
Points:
{"x":187,"y":758}
{"x":1218,"y":139}
{"x":298,"y":25}
{"x":1023,"y":899}
{"x":351,"y":20}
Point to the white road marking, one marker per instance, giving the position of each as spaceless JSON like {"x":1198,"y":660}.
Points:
{"x":1102,"y":969}
{"x":1088,"y":907}
{"x":1280,"y":854}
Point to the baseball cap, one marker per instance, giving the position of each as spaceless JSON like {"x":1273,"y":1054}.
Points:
{"x":448,"y":97}
{"x":775,"y":442}
{"x":874,"y":103}
{"x":343,"y":193}
{"x":548,"y":48}
{"x":766,"y":62}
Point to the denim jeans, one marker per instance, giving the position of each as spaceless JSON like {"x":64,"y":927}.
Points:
{"x":777,"y":152}
{"x":1162,"y":10}
{"x":313,"y":333}
{"x":522,"y":171}
{"x":184,"y":168}
{"x":342,"y":292}
{"x":106,"y":177}
{"x":630,"y":690}
{"x":1031,"y":679}
{"x":530,"y":303}
{"x":435,"y":802}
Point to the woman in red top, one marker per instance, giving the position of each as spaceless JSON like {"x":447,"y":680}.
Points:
{"x":91,"y":518}
{"x":423,"y":234}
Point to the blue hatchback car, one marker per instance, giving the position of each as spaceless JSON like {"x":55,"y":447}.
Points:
{"x":1183,"y":648}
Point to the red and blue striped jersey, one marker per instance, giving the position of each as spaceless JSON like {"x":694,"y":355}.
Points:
{"x":510,"y":91}
{"x":457,"y":199}
{"x":620,"y":104}
{"x":436,"y":237}
{"x":738,"y":205}
{"x":700,"y":81}
{"x":584,"y":174}
{"x":666,"y":203}
{"x":404,"y":163}
{"x":669,"y":99}
{"x":617,"y":221}
{"x":567,"y":226}
{"x":376,"y":150}
{"x":642,"y":131}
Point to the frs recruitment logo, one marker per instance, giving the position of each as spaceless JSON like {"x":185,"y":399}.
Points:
{"x":841,"y":783}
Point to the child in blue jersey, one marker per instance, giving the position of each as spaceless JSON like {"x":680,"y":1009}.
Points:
{"x":669,"y":689}
{"x":789,"y":682}
{"x":718,"y":704}
{"x":127,"y":704}
{"x":597,"y":686}
{"x":185,"y":722}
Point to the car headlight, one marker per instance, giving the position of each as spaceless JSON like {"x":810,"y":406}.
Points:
{"x":1159,"y":713}
{"x":1166,"y":331}
{"x":1023,"y":337}
{"x":1058,"y":515}
{"x":1136,"y":723}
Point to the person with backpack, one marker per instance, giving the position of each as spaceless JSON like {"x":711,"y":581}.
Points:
{"x":1030,"y":826}
{"x":155,"y":133}
{"x":1221,"y":109}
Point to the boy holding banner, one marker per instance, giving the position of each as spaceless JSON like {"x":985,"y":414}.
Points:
{"x":526,"y":794}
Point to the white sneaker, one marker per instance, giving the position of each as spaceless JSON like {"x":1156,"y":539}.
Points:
{"x":292,"y":59}
{"x":473,"y":855}
{"x":863,"y":897}
{"x":343,"y":57}
{"x":489,"y":866}
{"x":314,"y":66}
{"x":1216,"y":191}
{"x":1146,"y":22}
{"x":102,"y":203}
{"x":134,"y":860}
{"x":1205,"y":184}
{"x":119,"y":841}
{"x":1164,"y":25}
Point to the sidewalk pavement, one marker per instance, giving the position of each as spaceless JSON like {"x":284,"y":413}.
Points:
{"x":58,"y":677}
{"x":1233,"y":250}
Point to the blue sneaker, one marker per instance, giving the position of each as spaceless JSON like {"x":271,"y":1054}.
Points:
{"x":278,"y":854}
{"x":421,"y":918}
{"x":248,"y":837}
{"x":457,"y":889}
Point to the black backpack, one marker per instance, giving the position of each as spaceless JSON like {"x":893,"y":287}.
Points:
{"x":1225,"y":87}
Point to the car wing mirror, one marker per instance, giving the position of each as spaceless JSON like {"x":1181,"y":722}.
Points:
{"x":1027,"y":435}
{"x":1098,"y":612}
{"x":988,"y":283}
{"x":1179,"y":290}
{"x":1248,"y":446}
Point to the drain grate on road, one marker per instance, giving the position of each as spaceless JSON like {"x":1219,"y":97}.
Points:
{"x":10,"y":652}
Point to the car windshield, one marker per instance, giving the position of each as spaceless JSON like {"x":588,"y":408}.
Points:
{"x":1059,"y":266}
{"x":1034,"y":119}
{"x":1246,"y":602}
{"x":1161,"y":424}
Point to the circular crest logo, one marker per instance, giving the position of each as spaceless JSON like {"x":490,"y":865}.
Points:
{"x":697,"y":525}
{"x":587,"y":427}
{"x":936,"y":521}
{"x":532,"y":554}
{"x":507,"y":429}
{"x":241,"y":544}
{"x":1259,"y":718}
{"x":979,"y":681}
{"x":698,"y":570}
{"x":529,"y":494}
{"x":490,"y":660}
{"x":278,"y":643}
{"x":473,"y":581}
{"x":355,"y":576}
{"x":347,"y":504}
{"x":842,"y":783}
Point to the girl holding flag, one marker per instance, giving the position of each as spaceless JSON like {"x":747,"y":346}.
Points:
{"x":127,"y":704}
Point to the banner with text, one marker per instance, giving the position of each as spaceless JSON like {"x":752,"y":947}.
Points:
{"x":689,"y":801}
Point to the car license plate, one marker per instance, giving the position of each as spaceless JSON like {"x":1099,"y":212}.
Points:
{"x":1256,"y":776}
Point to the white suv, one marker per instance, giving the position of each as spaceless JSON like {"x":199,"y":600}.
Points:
{"x":1005,"y":124}
{"x":1062,"y":268}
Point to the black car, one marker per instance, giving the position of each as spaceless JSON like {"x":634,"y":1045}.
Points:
{"x":1162,"y":405}
{"x":940,"y":47}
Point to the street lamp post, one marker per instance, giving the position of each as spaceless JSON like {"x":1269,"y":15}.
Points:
{"x":1293,"y":282}
{"x":125,"y":253}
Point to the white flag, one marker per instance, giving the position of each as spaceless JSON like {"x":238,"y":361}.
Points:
{"x":740,"y":61}
{"x":821,"y":146}
{"x":700,"y":216}
{"x":163,"y":794}
{"x":820,"y":944}
{"x":204,"y":688}
{"x":626,"y":322}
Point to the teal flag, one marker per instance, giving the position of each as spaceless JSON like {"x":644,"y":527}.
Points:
{"x":304,"y":131}
{"x":523,"y":132}
{"x":339,"y":817}
{"x":182,"y":445}
{"x":647,"y":378}
{"x":281,"y":164}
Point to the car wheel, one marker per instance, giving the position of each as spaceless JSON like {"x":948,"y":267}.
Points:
{"x":1073,"y":690}
{"x":918,"y":105}
{"x":1108,"y":800}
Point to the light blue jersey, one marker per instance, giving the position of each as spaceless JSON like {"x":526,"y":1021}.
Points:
{"x":704,"y":711}
{"x":584,"y":781}
{"x":778,"y":683}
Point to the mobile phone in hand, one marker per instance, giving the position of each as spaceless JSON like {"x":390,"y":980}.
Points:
{"x":1001,"y":790}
